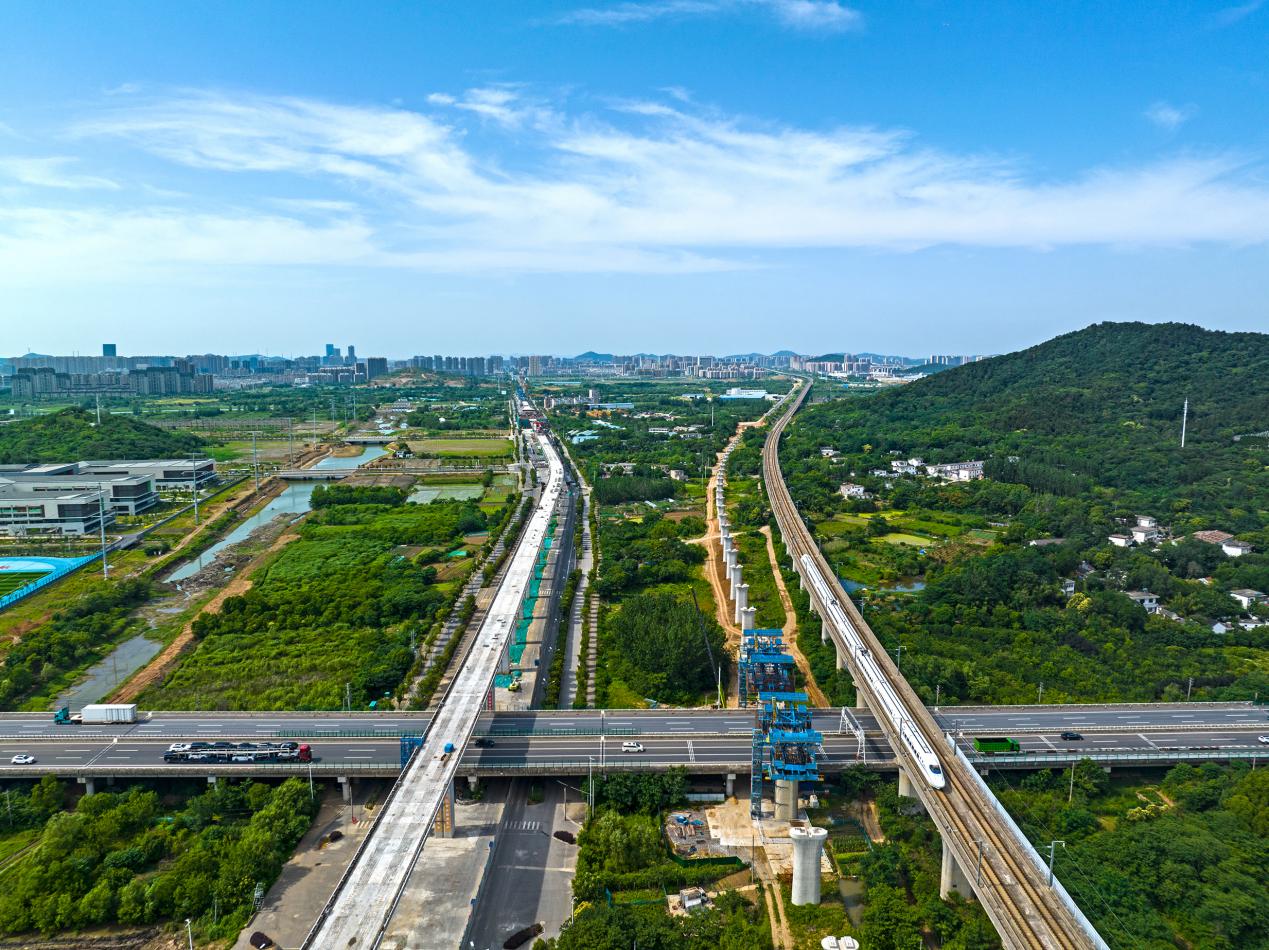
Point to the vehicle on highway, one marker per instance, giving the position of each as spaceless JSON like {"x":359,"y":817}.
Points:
{"x":1071,"y":736}
{"x":632,"y":747}
{"x":97,"y":713}
{"x":241,"y":752}
{"x":1264,"y":739}
{"x":993,"y":744}
{"x":482,"y":742}
{"x":23,"y":759}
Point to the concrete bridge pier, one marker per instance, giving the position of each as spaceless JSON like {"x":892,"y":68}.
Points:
{"x":731,"y":784}
{"x":786,"y":799}
{"x":841,"y":659}
{"x":952,"y":877}
{"x":444,"y":824}
{"x":345,"y":788}
{"x":473,"y":782}
{"x":907,"y":789}
{"x":742,"y":600}
{"x":747,"y":618}
{"x":90,"y":785}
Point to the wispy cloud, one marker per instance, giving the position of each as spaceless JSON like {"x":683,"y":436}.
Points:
{"x":646,"y":187}
{"x":1235,"y":14}
{"x":811,"y":15}
{"x":50,"y":172}
{"x":1169,"y":117}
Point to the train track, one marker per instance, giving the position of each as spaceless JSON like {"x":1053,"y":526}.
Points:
{"x":1018,"y":900}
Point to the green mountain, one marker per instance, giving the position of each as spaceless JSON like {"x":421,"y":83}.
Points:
{"x":1101,"y":407}
{"x":71,"y":435}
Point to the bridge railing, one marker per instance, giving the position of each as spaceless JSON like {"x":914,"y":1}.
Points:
{"x":357,"y":855}
{"x":1089,"y":931}
{"x":1163,"y":756}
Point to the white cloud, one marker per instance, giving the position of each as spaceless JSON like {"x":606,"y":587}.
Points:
{"x":50,"y":172}
{"x":816,"y":15}
{"x":644,"y":187}
{"x":1169,"y":117}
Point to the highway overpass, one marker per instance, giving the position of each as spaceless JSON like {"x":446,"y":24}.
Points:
{"x":705,"y":742}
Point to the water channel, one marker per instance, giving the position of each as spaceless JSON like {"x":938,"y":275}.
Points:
{"x":104,"y":677}
{"x":293,"y":500}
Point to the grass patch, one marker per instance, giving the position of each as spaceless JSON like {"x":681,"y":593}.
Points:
{"x":477,"y":448}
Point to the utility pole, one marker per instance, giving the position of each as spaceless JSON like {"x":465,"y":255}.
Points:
{"x":290,"y":442}
{"x":1052,"y":851}
{"x":98,"y":410}
{"x":101,"y":521}
{"x":1189,"y":689}
{"x":1039,"y":696}
{"x":193,"y":482}
{"x":348,"y":697}
{"x":255,"y":461}
{"x":1185,"y":417}
{"x":898,"y":656}
{"x":937,"y":688}
{"x":1070,"y":792}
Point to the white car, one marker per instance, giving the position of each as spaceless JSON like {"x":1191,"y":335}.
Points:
{"x":23,"y":759}
{"x":632,"y":747}
{"x":1264,"y":739}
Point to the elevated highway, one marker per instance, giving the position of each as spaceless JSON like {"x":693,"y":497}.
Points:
{"x":367,"y":896}
{"x":979,"y":840}
{"x":705,"y":742}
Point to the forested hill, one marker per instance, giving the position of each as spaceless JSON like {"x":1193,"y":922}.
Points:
{"x":72,"y":434}
{"x":1098,"y":407}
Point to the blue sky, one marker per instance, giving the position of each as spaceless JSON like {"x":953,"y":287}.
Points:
{"x":671,"y":175}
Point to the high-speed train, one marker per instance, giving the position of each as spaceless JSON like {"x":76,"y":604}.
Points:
{"x":909,"y":735}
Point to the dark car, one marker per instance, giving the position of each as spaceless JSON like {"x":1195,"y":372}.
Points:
{"x":482,"y":742}
{"x":1071,"y":736}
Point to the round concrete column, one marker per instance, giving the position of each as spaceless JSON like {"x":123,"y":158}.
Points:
{"x":786,"y":799}
{"x":807,"y":845}
{"x":747,"y":618}
{"x":742,"y":601}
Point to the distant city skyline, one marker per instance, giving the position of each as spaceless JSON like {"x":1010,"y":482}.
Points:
{"x":709,"y":176}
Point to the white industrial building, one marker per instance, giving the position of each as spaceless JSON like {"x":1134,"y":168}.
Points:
{"x":72,"y":511}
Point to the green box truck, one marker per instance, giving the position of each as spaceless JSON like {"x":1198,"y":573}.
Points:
{"x":996,"y":744}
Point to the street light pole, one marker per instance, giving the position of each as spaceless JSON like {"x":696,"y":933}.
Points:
{"x":189,"y":933}
{"x":590,"y":786}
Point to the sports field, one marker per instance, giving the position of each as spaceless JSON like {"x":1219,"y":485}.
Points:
{"x":15,"y":580}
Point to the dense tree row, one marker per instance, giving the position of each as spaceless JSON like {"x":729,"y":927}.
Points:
{"x":87,"y":629}
{"x":1154,"y":871}
{"x":73,"y":434}
{"x":665,"y":648}
{"x":124,"y":858}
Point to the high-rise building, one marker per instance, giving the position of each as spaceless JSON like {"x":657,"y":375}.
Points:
{"x":352,"y":354}
{"x":108,"y":349}
{"x":376,"y":366}
{"x":330,"y":350}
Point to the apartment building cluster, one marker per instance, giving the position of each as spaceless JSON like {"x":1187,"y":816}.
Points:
{"x":75,"y":498}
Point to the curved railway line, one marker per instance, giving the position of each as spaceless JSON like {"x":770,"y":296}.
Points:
{"x":1013,"y":891}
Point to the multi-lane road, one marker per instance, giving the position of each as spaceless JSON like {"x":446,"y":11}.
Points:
{"x":702,"y":740}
